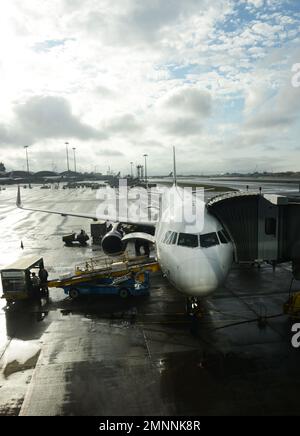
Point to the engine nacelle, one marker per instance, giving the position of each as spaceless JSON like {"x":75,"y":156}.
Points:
{"x":112,"y":244}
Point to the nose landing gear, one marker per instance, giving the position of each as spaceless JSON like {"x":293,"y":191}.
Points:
{"x":192,"y":306}
{"x":195,"y":311}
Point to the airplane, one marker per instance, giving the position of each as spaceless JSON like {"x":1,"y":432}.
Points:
{"x":195,"y":262}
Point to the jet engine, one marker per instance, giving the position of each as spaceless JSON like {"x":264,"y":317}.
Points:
{"x":112,"y":244}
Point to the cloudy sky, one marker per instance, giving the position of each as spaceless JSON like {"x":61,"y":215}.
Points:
{"x":117,"y":79}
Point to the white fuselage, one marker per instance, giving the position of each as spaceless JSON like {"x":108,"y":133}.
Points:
{"x":195,"y":269}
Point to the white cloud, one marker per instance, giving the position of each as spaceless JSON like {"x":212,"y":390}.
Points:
{"x":121,"y":77}
{"x":256,"y":3}
{"x":189,"y":100}
{"x":43,"y":117}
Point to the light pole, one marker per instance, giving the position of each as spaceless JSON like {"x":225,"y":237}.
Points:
{"x":67,"y":152}
{"x":26,"y":147}
{"x":145,"y":156}
{"x":74,"y":158}
{"x":131,"y":163}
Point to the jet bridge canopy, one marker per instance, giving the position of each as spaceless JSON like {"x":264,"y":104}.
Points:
{"x":262,"y":227}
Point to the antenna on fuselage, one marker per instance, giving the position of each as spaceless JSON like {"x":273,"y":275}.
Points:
{"x":174,"y":167}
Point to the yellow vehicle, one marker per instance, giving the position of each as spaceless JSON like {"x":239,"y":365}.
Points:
{"x":101,"y":268}
{"x":292,"y":306}
{"x":16,"y":278}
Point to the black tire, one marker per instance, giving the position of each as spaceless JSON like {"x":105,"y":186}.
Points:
{"x":124,"y":293}
{"x":73,"y":293}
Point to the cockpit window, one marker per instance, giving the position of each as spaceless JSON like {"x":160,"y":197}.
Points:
{"x":188,"y":240}
{"x":226,"y":234}
{"x":222,"y":237}
{"x":167,"y":236}
{"x":209,"y":240}
{"x":173,"y":238}
{"x":170,"y":238}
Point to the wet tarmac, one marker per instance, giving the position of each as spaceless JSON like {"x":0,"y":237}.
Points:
{"x":271,"y":186}
{"x":144,"y":356}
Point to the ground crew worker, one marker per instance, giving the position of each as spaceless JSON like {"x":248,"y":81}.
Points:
{"x":140,"y":243}
{"x":146,"y":247}
{"x":34,"y":279}
{"x":137,"y":247}
{"x":43,"y":275}
{"x":35,"y":284}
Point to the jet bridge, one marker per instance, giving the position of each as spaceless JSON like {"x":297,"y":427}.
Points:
{"x":262,"y":227}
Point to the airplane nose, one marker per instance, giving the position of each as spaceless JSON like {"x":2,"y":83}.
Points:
{"x":200,"y":276}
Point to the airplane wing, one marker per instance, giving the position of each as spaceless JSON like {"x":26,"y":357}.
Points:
{"x":94,"y":217}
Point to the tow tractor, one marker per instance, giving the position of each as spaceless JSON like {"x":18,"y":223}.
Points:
{"x":73,"y":239}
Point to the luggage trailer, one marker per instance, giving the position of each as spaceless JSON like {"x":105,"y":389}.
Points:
{"x":121,"y":278}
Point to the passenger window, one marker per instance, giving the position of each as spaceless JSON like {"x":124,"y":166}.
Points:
{"x":222,"y":237}
{"x":188,"y":240}
{"x":270,"y":226}
{"x":209,"y":240}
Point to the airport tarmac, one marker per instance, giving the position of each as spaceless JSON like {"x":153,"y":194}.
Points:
{"x":291,"y":187}
{"x":103,"y":356}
